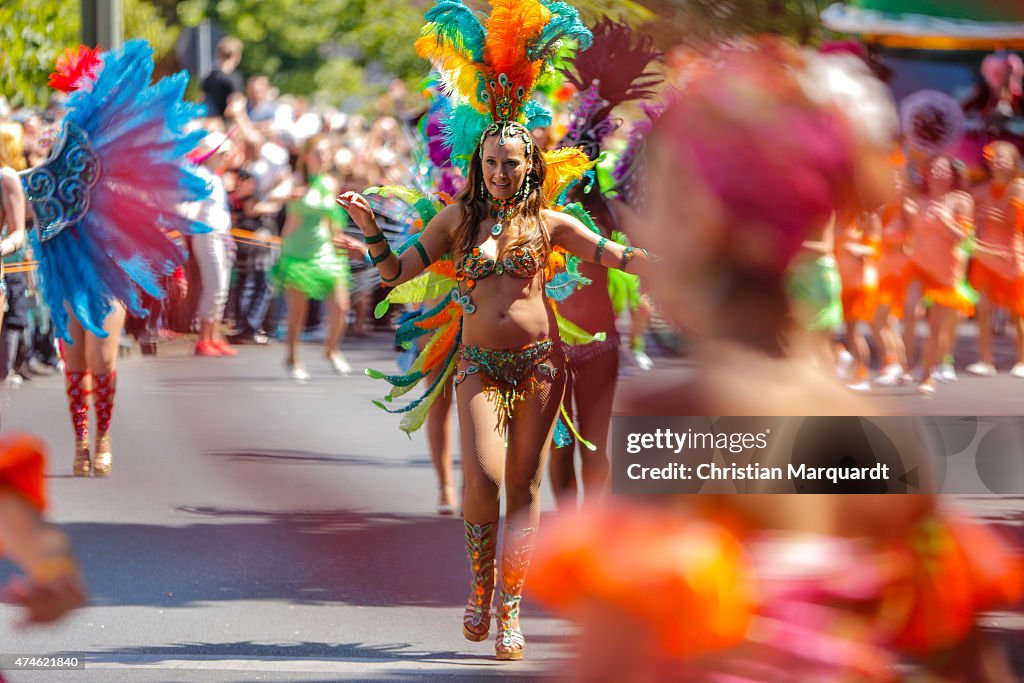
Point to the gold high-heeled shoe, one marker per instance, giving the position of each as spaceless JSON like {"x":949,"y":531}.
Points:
{"x":517,"y":547}
{"x":476,"y":621}
{"x":82,"y":465}
{"x":103,"y":460}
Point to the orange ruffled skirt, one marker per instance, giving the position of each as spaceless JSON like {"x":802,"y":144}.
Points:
{"x":1008,"y":294}
{"x":940,"y":293}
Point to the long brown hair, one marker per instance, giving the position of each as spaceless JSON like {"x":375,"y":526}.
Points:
{"x":473,"y":199}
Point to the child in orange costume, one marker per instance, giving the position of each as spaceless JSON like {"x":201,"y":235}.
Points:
{"x":856,"y":254}
{"x":995,"y":269}
{"x":942,"y":220}
{"x":893,"y":281}
{"x":53,"y":585}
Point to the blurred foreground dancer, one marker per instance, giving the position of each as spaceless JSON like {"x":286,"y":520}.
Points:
{"x":764,"y":144}
{"x":52,"y":584}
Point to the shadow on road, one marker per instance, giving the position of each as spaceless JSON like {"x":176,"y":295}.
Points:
{"x":306,"y":650}
{"x":331,"y":556}
{"x":286,"y":457}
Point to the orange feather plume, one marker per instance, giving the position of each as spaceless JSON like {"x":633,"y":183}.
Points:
{"x":442,"y":345}
{"x":438,"y":319}
{"x":514,"y":25}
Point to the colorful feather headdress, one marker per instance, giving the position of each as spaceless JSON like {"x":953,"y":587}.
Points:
{"x":491,"y":69}
{"x":614,"y":70}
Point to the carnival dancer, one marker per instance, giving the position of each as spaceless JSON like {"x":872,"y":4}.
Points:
{"x":497,"y":328}
{"x":786,"y":588}
{"x":106,"y":207}
{"x":893,"y":274}
{"x":612,"y":71}
{"x":52,"y":584}
{"x":310,"y":266}
{"x":858,"y":273}
{"x":625,"y":290}
{"x":995,"y":268}
{"x":815,"y":290}
{"x":942,"y":225}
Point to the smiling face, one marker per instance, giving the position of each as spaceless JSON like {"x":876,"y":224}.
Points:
{"x":504,"y":167}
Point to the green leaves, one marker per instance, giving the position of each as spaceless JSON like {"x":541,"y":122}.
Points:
{"x":34,"y":33}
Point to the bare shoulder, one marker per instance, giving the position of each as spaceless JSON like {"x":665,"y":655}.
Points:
{"x":9,"y":175}
{"x":1016,"y":189}
{"x":556,"y":220}
{"x":445,"y":224}
{"x":10,"y":180}
{"x":450,"y":217}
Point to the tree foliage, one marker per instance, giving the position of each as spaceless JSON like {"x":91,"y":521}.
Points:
{"x":346,"y":51}
{"x":338,"y":49}
{"x":700,"y":21}
{"x":34,"y":33}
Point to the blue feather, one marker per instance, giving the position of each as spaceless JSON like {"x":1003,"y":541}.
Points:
{"x":454,"y":23}
{"x":537,"y":116}
{"x":462,"y":133}
{"x":136,"y":130}
{"x":564,"y":23}
{"x":563,"y":283}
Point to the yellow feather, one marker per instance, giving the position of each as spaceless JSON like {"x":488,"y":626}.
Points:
{"x":564,"y":166}
{"x":458,"y":72}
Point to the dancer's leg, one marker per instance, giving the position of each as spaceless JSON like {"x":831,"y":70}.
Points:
{"x":483,"y":470}
{"x":298,"y":308}
{"x":439,"y":439}
{"x":101,"y":355}
{"x":77,"y":386}
{"x":562,"y":464}
{"x":595,"y":393}
{"x":337,"y":313}
{"x":530,"y":432}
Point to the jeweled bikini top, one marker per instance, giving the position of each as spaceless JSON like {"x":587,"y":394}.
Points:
{"x":521,"y":262}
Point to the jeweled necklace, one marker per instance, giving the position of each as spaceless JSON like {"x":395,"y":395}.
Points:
{"x":505,"y":209}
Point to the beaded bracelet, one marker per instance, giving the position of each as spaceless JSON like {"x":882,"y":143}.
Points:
{"x":627,"y":256}
{"x":600,"y":249}
{"x":374,"y":239}
{"x":382,"y":256}
{"x":391,"y":279}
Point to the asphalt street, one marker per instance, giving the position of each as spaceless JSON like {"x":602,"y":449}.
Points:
{"x":258,"y":530}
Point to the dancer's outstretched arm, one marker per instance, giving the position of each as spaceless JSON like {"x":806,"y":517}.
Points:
{"x":435,"y":240}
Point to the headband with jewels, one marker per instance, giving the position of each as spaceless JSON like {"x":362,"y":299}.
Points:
{"x":490,"y":69}
{"x":614,"y":70}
